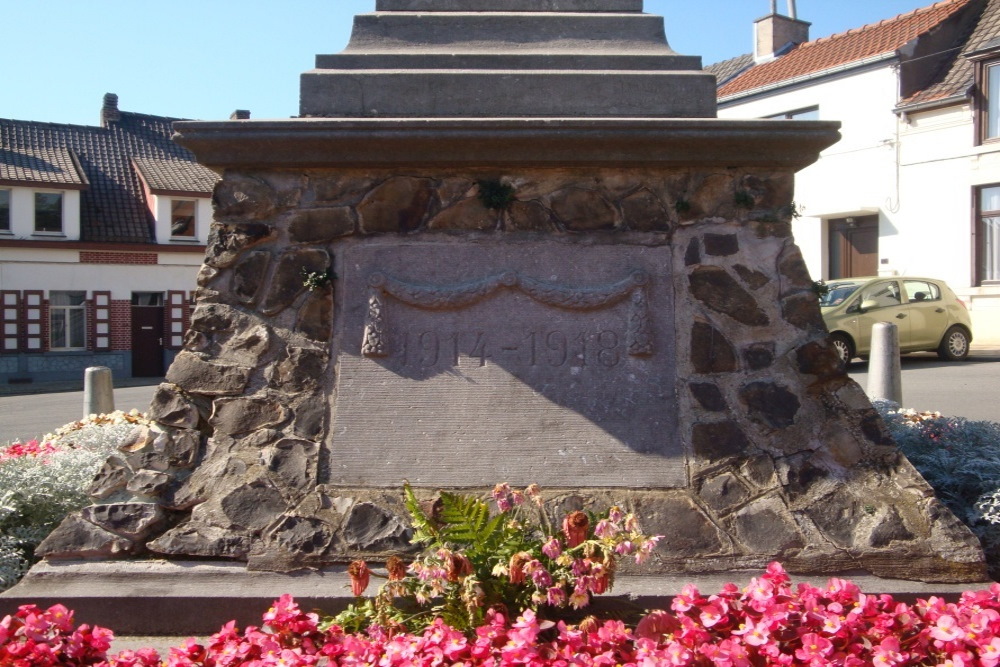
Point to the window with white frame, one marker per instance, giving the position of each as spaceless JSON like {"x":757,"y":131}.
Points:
{"x":183,"y":216}
{"x":809,"y":113}
{"x":67,"y":321}
{"x":49,"y":212}
{"x":4,"y":210}
{"x":988,"y":235}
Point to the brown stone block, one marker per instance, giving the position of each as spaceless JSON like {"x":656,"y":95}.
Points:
{"x":528,"y":216}
{"x":76,"y":537}
{"x":770,"y":404}
{"x":239,"y":196}
{"x":643,"y":211}
{"x":227,"y":242}
{"x":467,"y":215}
{"x":582,"y":210}
{"x":301,"y":370}
{"x":687,"y":532}
{"x":400,"y":204}
{"x":708,"y":396}
{"x":719,"y":440}
{"x":802,"y":311}
{"x":793,"y":270}
{"x":713,"y":286}
{"x":321,"y":225}
{"x":195,"y":375}
{"x":338,"y":189}
{"x":819,"y":359}
{"x":765,"y":527}
{"x":234,"y":416}
{"x":248,"y":276}
{"x":711,"y":352}
{"x":752,"y":278}
{"x":723,"y":493}
{"x":287,"y":283}
{"x":133,"y":521}
{"x":315,"y":318}
{"x":195,"y":539}
{"x":721,"y":245}
{"x":169,"y":406}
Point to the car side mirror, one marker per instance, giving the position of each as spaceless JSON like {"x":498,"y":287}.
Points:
{"x":868,"y":304}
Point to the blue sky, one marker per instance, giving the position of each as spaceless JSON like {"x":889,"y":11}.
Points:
{"x":205,"y":58}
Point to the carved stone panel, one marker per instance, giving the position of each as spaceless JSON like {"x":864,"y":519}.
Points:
{"x":465,"y":365}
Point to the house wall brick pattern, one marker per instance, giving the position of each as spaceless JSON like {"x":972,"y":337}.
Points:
{"x":110,"y":257}
{"x":121,"y":324}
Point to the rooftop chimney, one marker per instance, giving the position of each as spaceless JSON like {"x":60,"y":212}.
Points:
{"x":775,"y":34}
{"x":240,"y":114}
{"x":109,"y":112}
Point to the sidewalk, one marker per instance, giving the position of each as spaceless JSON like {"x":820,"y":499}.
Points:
{"x":29,"y":388}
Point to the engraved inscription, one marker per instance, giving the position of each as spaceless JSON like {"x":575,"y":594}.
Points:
{"x":639,"y":337}
{"x":551,"y":348}
{"x":461,"y":364}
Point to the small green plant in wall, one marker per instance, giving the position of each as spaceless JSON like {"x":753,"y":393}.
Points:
{"x":314,"y":280}
{"x":495,"y":195}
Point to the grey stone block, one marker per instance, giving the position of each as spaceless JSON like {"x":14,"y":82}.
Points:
{"x":508,"y":5}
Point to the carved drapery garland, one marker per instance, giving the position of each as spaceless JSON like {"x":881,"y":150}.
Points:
{"x":639,"y":336}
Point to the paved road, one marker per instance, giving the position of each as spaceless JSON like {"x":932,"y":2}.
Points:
{"x":26,"y":417}
{"x":969,"y":389}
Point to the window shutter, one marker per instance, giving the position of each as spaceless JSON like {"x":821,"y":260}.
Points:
{"x":33,"y":307}
{"x":10,"y":321}
{"x":102,"y":321}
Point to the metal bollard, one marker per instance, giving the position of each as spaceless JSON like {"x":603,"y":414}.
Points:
{"x":885,"y":377}
{"x":98,"y":391}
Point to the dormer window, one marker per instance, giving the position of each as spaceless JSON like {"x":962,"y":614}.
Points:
{"x":987,"y":91}
{"x":4,"y":211}
{"x":183,"y":219}
{"x":49,"y":212}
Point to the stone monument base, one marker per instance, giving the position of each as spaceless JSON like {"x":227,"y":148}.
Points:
{"x":180,"y":598}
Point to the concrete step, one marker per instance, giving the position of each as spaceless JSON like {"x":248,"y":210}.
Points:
{"x":176,"y":599}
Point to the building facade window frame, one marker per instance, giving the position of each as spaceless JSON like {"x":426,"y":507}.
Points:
{"x":6,"y":194}
{"x":49,"y":211}
{"x":183,"y":219}
{"x":67,"y":320}
{"x":986,"y":93}
{"x":987,"y":235}
{"x":805,"y":113}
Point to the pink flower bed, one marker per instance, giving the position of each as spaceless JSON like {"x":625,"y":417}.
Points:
{"x":32,"y":448}
{"x":769,"y":622}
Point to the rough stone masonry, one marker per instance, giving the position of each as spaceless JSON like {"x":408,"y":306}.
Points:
{"x":509,"y":241}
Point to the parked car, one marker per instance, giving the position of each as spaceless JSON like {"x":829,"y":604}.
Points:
{"x":928,"y":315}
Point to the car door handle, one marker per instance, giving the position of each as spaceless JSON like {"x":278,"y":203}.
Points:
{"x":939,"y":310}
{"x":901,"y":316}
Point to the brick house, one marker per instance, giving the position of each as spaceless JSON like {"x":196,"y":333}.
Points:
{"x":102,"y":232}
{"x":913,"y":188}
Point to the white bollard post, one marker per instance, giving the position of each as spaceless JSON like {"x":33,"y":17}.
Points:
{"x":98,"y":392}
{"x":885,"y":377}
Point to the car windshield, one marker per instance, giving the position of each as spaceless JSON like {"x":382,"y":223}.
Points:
{"x":837,"y":293}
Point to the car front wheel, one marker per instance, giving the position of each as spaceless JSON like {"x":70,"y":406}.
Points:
{"x":845,"y":350}
{"x":955,"y":344}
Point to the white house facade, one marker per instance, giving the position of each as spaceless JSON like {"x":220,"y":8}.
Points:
{"x":910,"y":188}
{"x":102,"y":232}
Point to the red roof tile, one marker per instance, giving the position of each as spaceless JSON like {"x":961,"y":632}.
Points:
{"x":842,"y":49}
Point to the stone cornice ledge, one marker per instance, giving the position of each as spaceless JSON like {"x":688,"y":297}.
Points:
{"x":506,"y":142}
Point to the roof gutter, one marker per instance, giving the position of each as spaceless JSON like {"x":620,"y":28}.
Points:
{"x":854,"y":64}
{"x":931,"y":104}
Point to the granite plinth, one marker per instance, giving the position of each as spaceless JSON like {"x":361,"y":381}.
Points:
{"x":180,"y":598}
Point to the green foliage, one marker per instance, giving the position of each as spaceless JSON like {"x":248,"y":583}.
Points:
{"x":495,"y":195}
{"x":38,"y":491}
{"x":682,"y":206}
{"x":475,"y":559}
{"x":743,"y":199}
{"x":821,"y":288}
{"x":314,"y":280}
{"x":960,"y":459}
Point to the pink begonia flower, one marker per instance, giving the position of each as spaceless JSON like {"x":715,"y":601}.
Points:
{"x":605,"y":529}
{"x":946,"y":629}
{"x":813,"y":647}
{"x":989,"y":654}
{"x":556,"y":596}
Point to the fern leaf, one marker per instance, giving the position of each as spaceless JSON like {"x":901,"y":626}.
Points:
{"x":465,"y":519}
{"x":423,"y":528}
